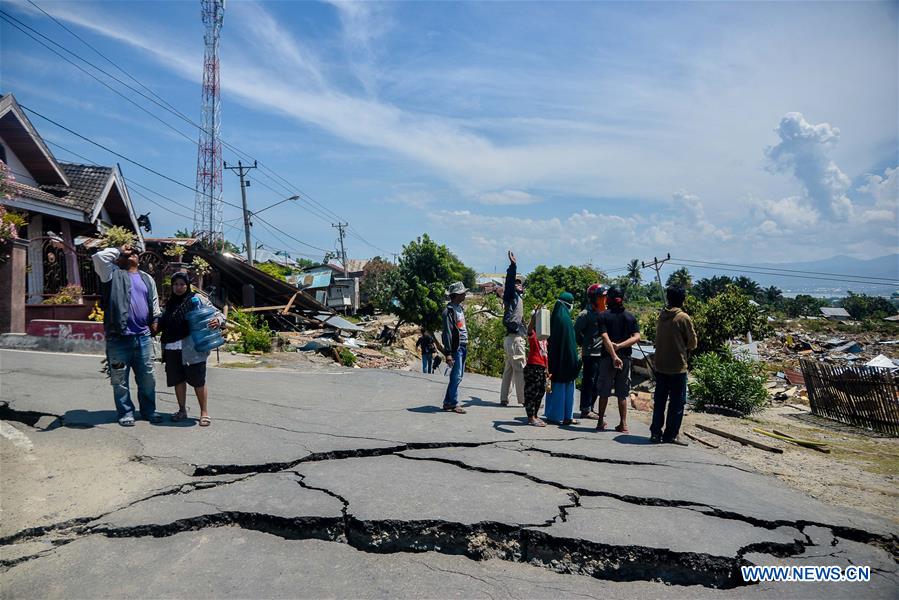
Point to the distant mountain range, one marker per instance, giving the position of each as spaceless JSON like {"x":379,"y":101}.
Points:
{"x":809,"y":278}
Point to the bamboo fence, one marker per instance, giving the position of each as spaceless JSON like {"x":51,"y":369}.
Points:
{"x":858,"y":395}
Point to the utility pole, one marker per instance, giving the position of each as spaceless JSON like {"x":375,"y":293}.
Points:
{"x":341,"y":228}
{"x":242,"y":170}
{"x":656,"y":265}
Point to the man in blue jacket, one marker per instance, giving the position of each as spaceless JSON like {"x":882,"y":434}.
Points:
{"x":131,"y":314}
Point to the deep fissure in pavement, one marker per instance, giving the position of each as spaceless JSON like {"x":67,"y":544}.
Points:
{"x":519,"y":543}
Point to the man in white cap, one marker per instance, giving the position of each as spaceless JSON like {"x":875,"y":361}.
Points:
{"x":455,"y":344}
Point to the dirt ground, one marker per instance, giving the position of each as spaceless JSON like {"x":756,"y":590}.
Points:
{"x":862,"y":470}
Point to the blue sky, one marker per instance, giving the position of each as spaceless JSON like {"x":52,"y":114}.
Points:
{"x":571,"y":132}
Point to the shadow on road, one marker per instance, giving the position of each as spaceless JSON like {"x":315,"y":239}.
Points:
{"x":85,"y":419}
{"x":638,"y":440}
{"x":517,"y":422}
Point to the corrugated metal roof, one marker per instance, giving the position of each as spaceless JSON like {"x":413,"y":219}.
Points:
{"x":834,"y":312}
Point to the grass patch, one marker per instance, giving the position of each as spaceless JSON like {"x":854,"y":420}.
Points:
{"x":240,"y":365}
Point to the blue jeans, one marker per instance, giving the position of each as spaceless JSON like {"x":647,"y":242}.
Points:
{"x":427,"y":362}
{"x":670,"y":390}
{"x":451,"y":399}
{"x":124,"y":354}
{"x":560,"y":402}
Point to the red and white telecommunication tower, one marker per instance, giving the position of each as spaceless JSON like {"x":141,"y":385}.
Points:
{"x":208,"y":203}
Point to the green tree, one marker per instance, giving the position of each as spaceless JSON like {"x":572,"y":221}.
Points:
{"x":425,"y":271}
{"x":803,"y":305}
{"x":709,"y":287}
{"x":183,"y":233}
{"x":544,"y":284}
{"x":728,"y":315}
{"x":378,"y":283}
{"x":634,"y":274}
{"x":772,"y":296}
{"x":749,"y":286}
{"x":863,"y":306}
{"x":680,"y":277}
{"x":485,"y":337}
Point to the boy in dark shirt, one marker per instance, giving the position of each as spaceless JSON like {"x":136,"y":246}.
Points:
{"x":428,"y":347}
{"x":621,"y":331}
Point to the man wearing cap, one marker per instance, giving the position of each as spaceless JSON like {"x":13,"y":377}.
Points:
{"x":514,"y":345}
{"x":588,"y":334}
{"x":455,"y":345}
{"x":131,"y":313}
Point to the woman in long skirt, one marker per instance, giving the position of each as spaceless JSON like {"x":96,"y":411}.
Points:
{"x":563,"y":363}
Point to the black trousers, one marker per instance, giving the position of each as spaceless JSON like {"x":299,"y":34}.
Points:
{"x":589,"y":384}
{"x":671,"y":391}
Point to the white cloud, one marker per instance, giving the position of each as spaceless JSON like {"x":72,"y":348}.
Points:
{"x":804,"y":150}
{"x":417,"y":199}
{"x":508,"y":198}
{"x":884,"y":190}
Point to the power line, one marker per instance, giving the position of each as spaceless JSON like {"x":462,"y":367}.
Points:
{"x":759,"y":269}
{"x":785,"y":275}
{"x":318,"y":209}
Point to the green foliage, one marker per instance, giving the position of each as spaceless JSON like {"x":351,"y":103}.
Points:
{"x":648,"y":322}
{"x":803,"y":305}
{"x":229,"y":247}
{"x":255,"y":334}
{"x":709,"y":287}
{"x":71,"y":294}
{"x":274,"y":270}
{"x":485,"y":338}
{"x":175,"y":251}
{"x":378,"y":283}
{"x":727,"y":316}
{"x":183,"y":233}
{"x":634,"y":274}
{"x":680,"y":277}
{"x":201,"y":267}
{"x":426,"y":270}
{"x":863,"y":306}
{"x":347,"y":358}
{"x":116,"y":237}
{"x":722,"y":380}
{"x":544,"y":284}
{"x":10,"y":223}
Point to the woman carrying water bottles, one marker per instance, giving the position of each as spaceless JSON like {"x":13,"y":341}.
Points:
{"x":184,"y":363}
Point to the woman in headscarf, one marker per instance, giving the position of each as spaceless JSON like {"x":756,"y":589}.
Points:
{"x":563,"y":363}
{"x":184,"y":364}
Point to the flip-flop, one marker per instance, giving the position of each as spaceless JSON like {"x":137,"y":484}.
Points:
{"x":179,"y":416}
{"x":571,"y":422}
{"x":537,"y":423}
{"x":620,"y":429}
{"x":205,"y":421}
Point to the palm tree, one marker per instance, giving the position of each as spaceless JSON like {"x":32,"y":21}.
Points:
{"x":633,"y":272}
{"x":773,"y":295}
{"x":749,"y":286}
{"x":681,"y":277}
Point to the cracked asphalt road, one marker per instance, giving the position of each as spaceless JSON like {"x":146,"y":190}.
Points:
{"x":352,"y":483}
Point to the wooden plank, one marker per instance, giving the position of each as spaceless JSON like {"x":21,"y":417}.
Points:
{"x":290,"y":304}
{"x":788,"y":438}
{"x":263,"y":308}
{"x":742,"y":440}
{"x":700,"y":440}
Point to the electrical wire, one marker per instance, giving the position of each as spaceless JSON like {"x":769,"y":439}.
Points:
{"x":759,"y":269}
{"x":785,"y":275}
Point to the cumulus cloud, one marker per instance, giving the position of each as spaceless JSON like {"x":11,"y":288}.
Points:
{"x":692,"y":206}
{"x":804,"y":151}
{"x":507,"y":198}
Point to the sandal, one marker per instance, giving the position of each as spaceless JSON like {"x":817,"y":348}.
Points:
{"x":622,"y":428}
{"x":571,"y":422}
{"x":455,"y":409}
{"x":537,"y":423}
{"x":205,"y":421}
{"x":179,"y":416}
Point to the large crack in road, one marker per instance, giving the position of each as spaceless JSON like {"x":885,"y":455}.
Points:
{"x":528,"y":543}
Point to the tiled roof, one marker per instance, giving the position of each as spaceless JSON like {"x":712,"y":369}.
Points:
{"x":87,"y":182}
{"x":33,"y":193}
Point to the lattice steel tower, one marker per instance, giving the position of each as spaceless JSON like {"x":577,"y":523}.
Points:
{"x":208,"y":203}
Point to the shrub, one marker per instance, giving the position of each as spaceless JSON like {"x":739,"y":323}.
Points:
{"x":485,"y":338}
{"x":347,"y":358}
{"x":116,"y":237}
{"x":71,"y":294}
{"x":724,"y":381}
{"x":255,"y":334}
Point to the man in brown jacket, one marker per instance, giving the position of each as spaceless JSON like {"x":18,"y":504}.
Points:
{"x":675,"y":338}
